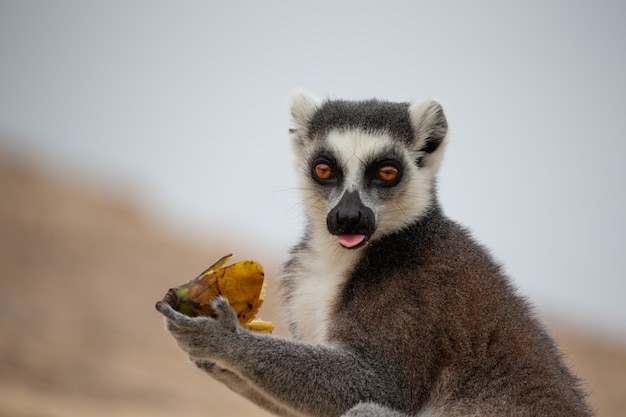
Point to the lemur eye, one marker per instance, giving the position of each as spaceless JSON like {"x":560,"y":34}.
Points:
{"x":323,"y":171}
{"x":387,"y":173}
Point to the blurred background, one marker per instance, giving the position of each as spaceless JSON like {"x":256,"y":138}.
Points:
{"x":142,"y":140}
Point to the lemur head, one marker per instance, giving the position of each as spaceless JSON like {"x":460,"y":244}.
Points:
{"x":367,"y":168}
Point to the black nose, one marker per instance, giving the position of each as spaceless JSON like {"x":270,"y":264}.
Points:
{"x":350,"y":216}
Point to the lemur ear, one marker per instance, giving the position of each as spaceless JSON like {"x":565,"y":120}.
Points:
{"x":303,"y":106}
{"x":430,"y":128}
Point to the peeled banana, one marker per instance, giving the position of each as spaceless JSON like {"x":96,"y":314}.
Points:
{"x":241,"y":283}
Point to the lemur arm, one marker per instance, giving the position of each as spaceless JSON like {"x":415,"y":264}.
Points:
{"x":317,"y":380}
{"x":242,"y":387}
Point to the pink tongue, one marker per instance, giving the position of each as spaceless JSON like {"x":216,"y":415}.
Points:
{"x":350,"y":241}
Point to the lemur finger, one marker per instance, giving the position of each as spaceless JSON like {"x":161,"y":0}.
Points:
{"x":224,"y":311}
{"x":174,"y":316}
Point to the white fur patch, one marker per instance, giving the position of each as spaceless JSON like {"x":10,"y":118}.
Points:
{"x":322,"y":272}
{"x":353,"y":148}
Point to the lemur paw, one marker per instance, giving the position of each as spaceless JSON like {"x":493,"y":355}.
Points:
{"x":202,"y":337}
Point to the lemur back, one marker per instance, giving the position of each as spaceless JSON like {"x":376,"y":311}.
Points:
{"x":383,"y":273}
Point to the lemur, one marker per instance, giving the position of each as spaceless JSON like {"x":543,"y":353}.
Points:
{"x":395,"y":310}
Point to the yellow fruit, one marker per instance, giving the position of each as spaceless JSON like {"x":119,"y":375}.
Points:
{"x":260,"y":326}
{"x":240,"y":283}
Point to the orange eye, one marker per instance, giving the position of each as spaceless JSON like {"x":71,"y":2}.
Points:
{"x":323,"y":171}
{"x":388,"y":173}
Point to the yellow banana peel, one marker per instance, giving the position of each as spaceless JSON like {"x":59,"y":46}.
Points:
{"x":241,"y":283}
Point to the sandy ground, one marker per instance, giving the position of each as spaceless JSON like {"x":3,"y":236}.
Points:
{"x":79,"y":274}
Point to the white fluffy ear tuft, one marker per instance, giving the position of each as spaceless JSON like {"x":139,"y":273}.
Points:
{"x":430,"y":128}
{"x":303,"y":106}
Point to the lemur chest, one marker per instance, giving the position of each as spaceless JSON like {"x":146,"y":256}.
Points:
{"x":316,"y":291}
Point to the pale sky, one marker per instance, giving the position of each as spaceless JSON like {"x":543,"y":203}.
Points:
{"x":183,"y":105}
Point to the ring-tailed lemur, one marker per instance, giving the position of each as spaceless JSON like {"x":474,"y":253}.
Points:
{"x":394,"y":309}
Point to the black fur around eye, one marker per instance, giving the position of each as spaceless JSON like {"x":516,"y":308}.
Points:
{"x":385,"y":173}
{"x":323,"y":171}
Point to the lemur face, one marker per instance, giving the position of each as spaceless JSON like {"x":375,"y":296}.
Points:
{"x":366,"y":169}
{"x":362,"y":184}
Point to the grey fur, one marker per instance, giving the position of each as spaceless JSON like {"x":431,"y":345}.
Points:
{"x":420,"y":321}
{"x":369,"y":115}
